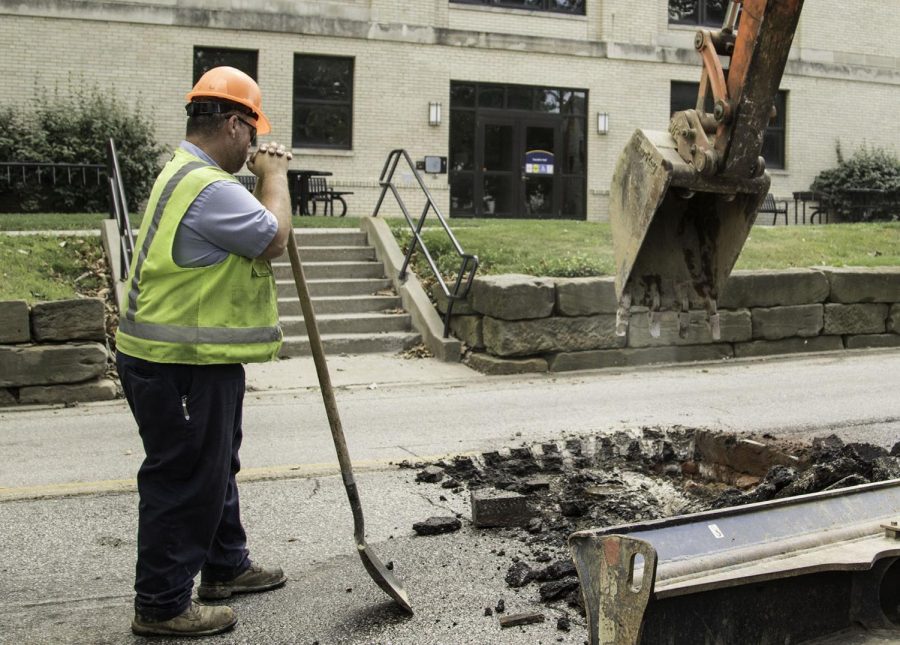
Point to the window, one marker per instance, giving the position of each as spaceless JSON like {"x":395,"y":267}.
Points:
{"x":709,"y":13}
{"x":557,"y":6}
{"x":491,"y":125}
{"x":684,"y":97}
{"x":323,"y":102}
{"x":205,"y":58}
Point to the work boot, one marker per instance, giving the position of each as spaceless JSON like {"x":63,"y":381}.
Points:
{"x":254,"y":579}
{"x":196,"y":620}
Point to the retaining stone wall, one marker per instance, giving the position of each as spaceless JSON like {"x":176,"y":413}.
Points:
{"x":519,"y":323}
{"x":54,"y":352}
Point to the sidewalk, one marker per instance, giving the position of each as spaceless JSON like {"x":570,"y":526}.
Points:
{"x":356,"y":370}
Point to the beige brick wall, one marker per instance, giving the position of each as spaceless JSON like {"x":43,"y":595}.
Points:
{"x":624,"y":53}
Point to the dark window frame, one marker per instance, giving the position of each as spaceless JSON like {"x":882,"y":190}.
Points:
{"x":775,"y":137}
{"x":224,"y":53}
{"x":574,"y":109}
{"x":701,"y":14}
{"x":328,"y":102}
{"x":547,"y":6}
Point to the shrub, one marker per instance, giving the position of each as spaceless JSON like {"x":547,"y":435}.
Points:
{"x":869,"y":169}
{"x":74,"y":127}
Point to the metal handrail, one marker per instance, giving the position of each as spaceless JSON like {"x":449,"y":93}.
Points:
{"x":118,"y":208}
{"x":468,"y":263}
{"x":40,"y":167}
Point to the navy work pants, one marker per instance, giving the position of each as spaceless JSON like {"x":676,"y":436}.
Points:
{"x":189,"y":418}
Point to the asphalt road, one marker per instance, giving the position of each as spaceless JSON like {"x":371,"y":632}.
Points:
{"x":67,"y":560}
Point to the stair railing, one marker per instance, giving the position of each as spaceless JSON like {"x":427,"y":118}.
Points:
{"x":118,"y":209}
{"x":468,"y":263}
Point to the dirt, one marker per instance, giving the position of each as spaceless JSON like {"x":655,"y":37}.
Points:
{"x":607,"y":480}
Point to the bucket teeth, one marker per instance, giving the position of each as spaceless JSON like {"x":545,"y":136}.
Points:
{"x":715,"y":326}
{"x":655,"y":320}
{"x":623,"y":313}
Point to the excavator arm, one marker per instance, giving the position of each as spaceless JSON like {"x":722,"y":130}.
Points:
{"x":683,"y":201}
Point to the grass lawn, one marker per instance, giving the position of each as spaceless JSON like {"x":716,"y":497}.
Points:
{"x":40,"y":267}
{"x":569,"y":248}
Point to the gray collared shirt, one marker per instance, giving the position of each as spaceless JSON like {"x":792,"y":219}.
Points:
{"x":225,"y":218}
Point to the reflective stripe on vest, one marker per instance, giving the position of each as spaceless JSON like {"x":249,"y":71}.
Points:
{"x":196,"y":335}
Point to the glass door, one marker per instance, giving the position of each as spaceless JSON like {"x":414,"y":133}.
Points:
{"x":539,"y":170}
{"x":497,"y":172}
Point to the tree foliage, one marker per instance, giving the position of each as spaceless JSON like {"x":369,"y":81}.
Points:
{"x":73,"y":127}
{"x":864,"y":187}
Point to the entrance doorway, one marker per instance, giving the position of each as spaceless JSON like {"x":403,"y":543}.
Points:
{"x":517,"y":152}
{"x":515,"y":162}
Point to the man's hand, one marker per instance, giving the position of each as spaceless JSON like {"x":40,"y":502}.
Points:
{"x":270,"y":163}
{"x":269,"y":159}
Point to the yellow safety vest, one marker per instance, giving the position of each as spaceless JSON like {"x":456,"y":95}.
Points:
{"x":223,"y":313}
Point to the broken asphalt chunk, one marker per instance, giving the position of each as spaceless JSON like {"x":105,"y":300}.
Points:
{"x":519,"y":575}
{"x":431,"y":475}
{"x":558,"y":589}
{"x":492,"y":508}
{"x":437,"y":525}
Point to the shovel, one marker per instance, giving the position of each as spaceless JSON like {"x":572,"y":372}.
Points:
{"x":379,"y":573}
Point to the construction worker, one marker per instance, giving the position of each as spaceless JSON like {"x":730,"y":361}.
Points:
{"x":201,"y":301}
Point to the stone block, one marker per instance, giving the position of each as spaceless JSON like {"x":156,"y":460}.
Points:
{"x":513,"y":296}
{"x":487,"y":364}
{"x":6,"y":397}
{"x":746,"y":289}
{"x":492,"y":508}
{"x":460,"y":307}
{"x":788,"y":346}
{"x":63,"y":320}
{"x":99,"y":390}
{"x":14,"y":325}
{"x":585,"y":296}
{"x":630,"y":357}
{"x":556,"y":334}
{"x":872,"y":341}
{"x":734,"y":327}
{"x":469,"y":329}
{"x":776,"y":323}
{"x":855,"y":318}
{"x":880,"y":284}
{"x":22,"y":365}
{"x":893,"y":322}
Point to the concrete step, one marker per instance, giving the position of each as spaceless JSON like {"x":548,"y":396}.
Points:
{"x":290,"y":306}
{"x":329,"y":237}
{"x":365,"y":323}
{"x":331,"y":270}
{"x":353,"y":343}
{"x":336,"y":254}
{"x":355,"y":287}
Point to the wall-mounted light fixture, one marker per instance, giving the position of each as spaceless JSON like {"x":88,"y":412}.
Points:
{"x":434,"y":113}
{"x":602,"y":122}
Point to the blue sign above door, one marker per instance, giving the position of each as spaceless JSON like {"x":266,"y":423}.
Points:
{"x":539,"y":162}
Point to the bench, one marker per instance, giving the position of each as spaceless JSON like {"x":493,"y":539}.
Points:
{"x":776,"y":207}
{"x":247,"y":181}
{"x":321,"y":193}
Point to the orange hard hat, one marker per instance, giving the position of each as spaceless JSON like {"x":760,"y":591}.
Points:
{"x":232,"y":85}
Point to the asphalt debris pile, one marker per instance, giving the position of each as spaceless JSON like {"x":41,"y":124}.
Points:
{"x":604,"y":480}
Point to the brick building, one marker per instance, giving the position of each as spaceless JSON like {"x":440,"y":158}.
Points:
{"x":489,"y":84}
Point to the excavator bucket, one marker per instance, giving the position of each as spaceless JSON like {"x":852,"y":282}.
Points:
{"x":676,"y":233}
{"x":682,"y":202}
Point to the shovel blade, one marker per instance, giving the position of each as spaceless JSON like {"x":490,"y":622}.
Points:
{"x":383,"y":577}
{"x":676,"y":233}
